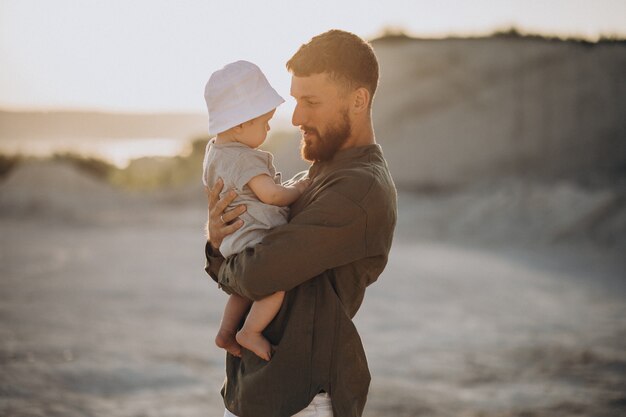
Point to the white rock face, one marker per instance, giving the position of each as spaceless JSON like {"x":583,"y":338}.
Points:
{"x":457,"y":110}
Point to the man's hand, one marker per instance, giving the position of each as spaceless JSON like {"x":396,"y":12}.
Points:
{"x":302,"y":184}
{"x":222,"y":223}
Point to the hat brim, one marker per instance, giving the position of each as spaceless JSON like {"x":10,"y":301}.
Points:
{"x":229,"y":118}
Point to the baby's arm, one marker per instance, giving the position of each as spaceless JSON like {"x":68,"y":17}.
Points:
{"x":269,"y":192}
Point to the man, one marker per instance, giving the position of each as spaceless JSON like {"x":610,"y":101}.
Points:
{"x":336,"y":243}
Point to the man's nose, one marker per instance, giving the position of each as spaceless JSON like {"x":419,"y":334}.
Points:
{"x":298,"y":116}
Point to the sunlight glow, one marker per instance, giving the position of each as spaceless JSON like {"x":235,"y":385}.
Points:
{"x":116,"y":151}
{"x":156,"y":55}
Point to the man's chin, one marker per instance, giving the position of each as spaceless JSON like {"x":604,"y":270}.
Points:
{"x":306,"y":152}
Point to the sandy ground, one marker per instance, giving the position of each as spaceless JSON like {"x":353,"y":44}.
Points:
{"x":118,"y":320}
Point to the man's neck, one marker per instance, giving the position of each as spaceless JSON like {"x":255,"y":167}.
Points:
{"x":361,"y":135}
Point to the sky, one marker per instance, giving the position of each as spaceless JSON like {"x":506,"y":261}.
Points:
{"x":155,"y":55}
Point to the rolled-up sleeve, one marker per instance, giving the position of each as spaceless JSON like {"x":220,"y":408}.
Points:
{"x":329,"y":232}
{"x":212,"y":265}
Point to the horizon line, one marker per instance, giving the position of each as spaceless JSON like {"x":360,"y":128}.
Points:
{"x":507,"y":30}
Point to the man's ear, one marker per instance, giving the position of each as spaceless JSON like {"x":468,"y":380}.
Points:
{"x":361,"y":100}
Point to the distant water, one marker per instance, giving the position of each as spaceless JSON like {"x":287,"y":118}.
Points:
{"x":119,"y":151}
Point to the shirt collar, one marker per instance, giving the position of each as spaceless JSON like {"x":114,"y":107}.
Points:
{"x":354,"y":153}
{"x":343,"y":156}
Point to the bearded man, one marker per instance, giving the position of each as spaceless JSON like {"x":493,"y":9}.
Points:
{"x":336,"y":244}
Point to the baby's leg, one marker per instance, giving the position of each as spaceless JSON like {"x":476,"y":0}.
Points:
{"x":236,"y":308}
{"x":261,"y":314}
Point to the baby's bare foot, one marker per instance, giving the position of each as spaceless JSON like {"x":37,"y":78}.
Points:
{"x":226,"y":340}
{"x":256,"y":343}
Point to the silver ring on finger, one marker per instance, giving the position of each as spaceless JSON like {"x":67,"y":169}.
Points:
{"x":222,"y":219}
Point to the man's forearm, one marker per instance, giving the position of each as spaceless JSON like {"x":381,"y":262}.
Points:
{"x":317,"y":239}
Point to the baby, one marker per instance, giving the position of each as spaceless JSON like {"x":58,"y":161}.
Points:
{"x":241,"y":103}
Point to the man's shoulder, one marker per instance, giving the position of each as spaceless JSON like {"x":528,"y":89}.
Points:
{"x":359,"y":181}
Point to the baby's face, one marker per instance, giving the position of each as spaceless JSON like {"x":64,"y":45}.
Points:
{"x":254,"y":131}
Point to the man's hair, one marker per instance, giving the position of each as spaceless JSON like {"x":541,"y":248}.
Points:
{"x":344,"y":56}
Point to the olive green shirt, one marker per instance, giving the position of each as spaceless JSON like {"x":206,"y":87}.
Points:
{"x":336,"y":244}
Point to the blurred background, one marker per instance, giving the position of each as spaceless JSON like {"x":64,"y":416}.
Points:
{"x":504,"y":126}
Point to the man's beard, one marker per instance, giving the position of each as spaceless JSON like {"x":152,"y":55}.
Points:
{"x":325,"y":147}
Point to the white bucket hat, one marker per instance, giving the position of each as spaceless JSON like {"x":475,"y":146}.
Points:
{"x":237,"y":93}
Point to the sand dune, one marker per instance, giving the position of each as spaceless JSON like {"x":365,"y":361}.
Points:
{"x":519,"y":212}
{"x":58,"y":191}
{"x":494,"y":211}
{"x":43,"y":190}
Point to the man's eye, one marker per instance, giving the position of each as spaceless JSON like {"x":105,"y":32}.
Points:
{"x":312,"y":103}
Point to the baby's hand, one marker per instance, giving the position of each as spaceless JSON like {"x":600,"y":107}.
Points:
{"x":302,"y":184}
